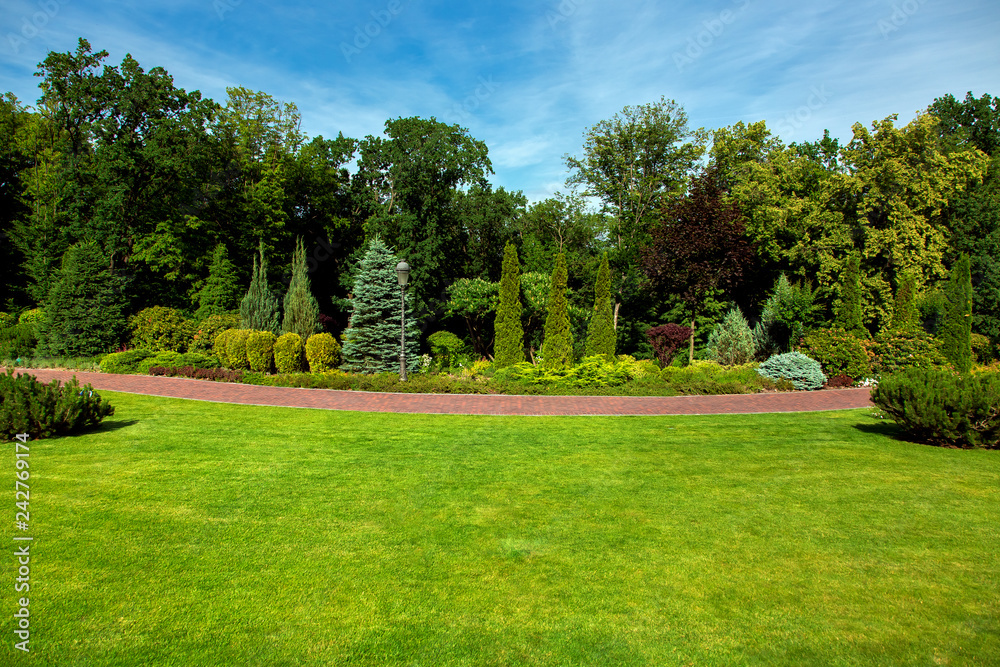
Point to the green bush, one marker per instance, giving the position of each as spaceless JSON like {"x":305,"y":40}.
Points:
{"x":289,"y":353}
{"x":33,"y":317}
{"x":710,"y":377}
{"x":7,"y":320}
{"x":260,"y":350}
{"x":940,"y":407}
{"x":731,"y":342}
{"x":220,"y":346}
{"x":158,"y":328}
{"x":44,"y":410}
{"x":124,"y":362}
{"x":322,"y":352}
{"x":593,"y":371}
{"x":446,"y":348}
{"x":168,"y":358}
{"x":800,"y":370}
{"x":236,"y":349}
{"x":17,"y":340}
{"x":983,"y":349}
{"x":897,"y":350}
{"x":206,"y":331}
{"x":838,"y":352}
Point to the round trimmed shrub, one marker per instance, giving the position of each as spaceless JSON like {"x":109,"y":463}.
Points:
{"x":289,"y":353}
{"x":210,"y":327}
{"x":236,"y":348}
{"x":838,"y":352}
{"x":322,"y":352}
{"x":797,"y":368}
{"x":445,"y":346}
{"x":158,"y":328}
{"x":220,"y":346}
{"x":260,"y":351}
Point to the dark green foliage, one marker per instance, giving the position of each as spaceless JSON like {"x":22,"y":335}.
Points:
{"x":167,"y":358}
{"x":17,"y":340}
{"x":898,"y":350}
{"x":838,"y":352}
{"x":446,"y":348}
{"x":84,"y":309}
{"x":732,"y":341}
{"x":260,"y":351}
{"x":220,"y":293}
{"x":982,"y":349}
{"x":940,"y":407}
{"x":850,"y":316}
{"x":259,"y":308}
{"x":301,"y":308}
{"x":46,"y":410}
{"x":289,"y":353}
{"x":158,"y":328}
{"x":601,"y":331}
{"x":204,"y":336}
{"x":956,"y":338}
{"x":323,"y":353}
{"x":508,"y":346}
{"x":372,"y":338}
{"x":800,"y":370}
{"x":557,"y":344}
{"x":904,"y":313}
{"x":666,"y":340}
{"x":788,"y":312}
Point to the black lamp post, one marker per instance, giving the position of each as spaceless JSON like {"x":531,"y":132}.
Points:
{"x":403,"y":274}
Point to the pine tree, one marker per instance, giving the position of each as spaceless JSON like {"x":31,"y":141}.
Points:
{"x":220,"y":293}
{"x":371,"y":341}
{"x":557,"y":345}
{"x":601,"y":331}
{"x":508,"y":331}
{"x":957,"y":334}
{"x":904,"y":313}
{"x":301,"y":308}
{"x":850,"y":316}
{"x":732,"y":340}
{"x":85,"y":306}
{"x":259,"y":308}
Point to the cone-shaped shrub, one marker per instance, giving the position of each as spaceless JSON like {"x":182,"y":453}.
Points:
{"x":259,"y":308}
{"x":289,"y":353}
{"x":301,"y":308}
{"x":904,"y":313}
{"x":508,"y":345}
{"x":601,"y":331}
{"x":557,"y":345}
{"x":220,"y":293}
{"x":800,"y":370}
{"x":850,"y":317}
{"x":323,"y":352}
{"x":956,"y":338}
{"x":732,"y":340}
{"x":236,"y":349}
{"x":260,"y":351}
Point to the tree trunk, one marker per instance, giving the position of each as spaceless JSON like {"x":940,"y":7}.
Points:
{"x":617,"y":306}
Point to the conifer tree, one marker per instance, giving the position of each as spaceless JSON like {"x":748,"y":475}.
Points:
{"x":601,"y":331}
{"x":557,"y":345}
{"x":957,"y":334}
{"x":732,"y":340}
{"x":259,"y":308}
{"x":508,"y":346}
{"x":850,"y":315}
{"x":301,"y":308}
{"x":371,"y":341}
{"x":220,"y":292}
{"x":904,"y":312}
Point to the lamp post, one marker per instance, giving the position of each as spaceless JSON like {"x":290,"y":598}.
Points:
{"x":403,"y":274}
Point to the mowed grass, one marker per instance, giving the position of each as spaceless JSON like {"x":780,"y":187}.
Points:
{"x":189,"y":533}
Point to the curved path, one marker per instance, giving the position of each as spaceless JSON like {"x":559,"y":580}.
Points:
{"x":469,"y":404}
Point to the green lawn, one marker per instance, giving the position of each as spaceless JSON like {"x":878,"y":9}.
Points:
{"x":187,"y":533}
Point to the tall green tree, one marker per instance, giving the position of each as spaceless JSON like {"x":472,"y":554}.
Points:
{"x":508,"y":346}
{"x":301,"y":308}
{"x":372,"y":339}
{"x":557,"y":344}
{"x":850,"y":315}
{"x":259,"y":308}
{"x":220,"y":292}
{"x":957,"y":334}
{"x":601,"y":331}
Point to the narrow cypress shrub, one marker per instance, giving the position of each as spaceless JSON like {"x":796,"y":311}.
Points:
{"x":220,"y":293}
{"x":301,"y":308}
{"x":957,"y":335}
{"x":850,"y":316}
{"x":601,"y":331}
{"x":904,"y":312}
{"x":259,"y":308}
{"x":557,"y":345}
{"x":508,"y":343}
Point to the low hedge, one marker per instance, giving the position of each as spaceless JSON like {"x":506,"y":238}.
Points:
{"x":289,"y":353}
{"x":217,"y":374}
{"x":140,"y":361}
{"x":260,"y":351}
{"x":46,"y":410}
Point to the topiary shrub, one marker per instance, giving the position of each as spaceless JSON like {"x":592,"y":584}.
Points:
{"x":941,"y":407}
{"x":124,"y":362}
{"x":289,"y":353}
{"x":732,"y":341}
{"x":236,"y":349}
{"x":838,"y":352}
{"x":260,"y":351}
{"x":44,"y":410}
{"x":322,"y":352}
{"x":445,"y":346}
{"x":666,"y":339}
{"x":208,"y":329}
{"x":897,"y":350}
{"x":220,"y":346}
{"x":158,"y":328}
{"x":800,"y":370}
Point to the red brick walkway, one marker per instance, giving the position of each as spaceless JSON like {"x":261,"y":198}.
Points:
{"x":326,"y":399}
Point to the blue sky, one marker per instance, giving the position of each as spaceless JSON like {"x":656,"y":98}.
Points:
{"x":529,"y":78}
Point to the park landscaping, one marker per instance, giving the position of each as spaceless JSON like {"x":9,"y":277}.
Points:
{"x":183,"y":532}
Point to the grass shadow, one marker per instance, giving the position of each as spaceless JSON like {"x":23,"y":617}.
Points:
{"x":106,"y":427}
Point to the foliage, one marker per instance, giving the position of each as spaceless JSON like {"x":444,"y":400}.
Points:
{"x":702,"y":377}
{"x":208,"y":329}
{"x":446,"y":347}
{"x":898,"y":350}
{"x":666,"y":340}
{"x":372,"y":339}
{"x":260,"y":350}
{"x":839,"y":352}
{"x":259,"y":308}
{"x":236,"y":349}
{"x":323,"y":352}
{"x":943,"y":408}
{"x":32,"y":316}
{"x":593,"y":371}
{"x":17,"y":340}
{"x":800,"y":370}
{"x":220,"y":293}
{"x":787,"y":313}
{"x":983,"y":350}
{"x":289,"y":353}
{"x":475,"y":300}
{"x":168,"y":358}
{"x":220,"y":346}
{"x":601,"y":330}
{"x":956,"y":338}
{"x":124,"y":362}
{"x":509,"y":332}
{"x":301,"y":308}
{"x":850,"y":315}
{"x":46,"y":410}
{"x":557,"y":344}
{"x":732,"y":341}
{"x":159,"y":328}
{"x":904,"y":311}
{"x":195,"y":373}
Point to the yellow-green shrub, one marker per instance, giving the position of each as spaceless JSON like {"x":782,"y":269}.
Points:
{"x":161,"y":329}
{"x":260,"y":350}
{"x":322,"y":352}
{"x":236,"y":348}
{"x":221,"y":346}
{"x":289,"y":353}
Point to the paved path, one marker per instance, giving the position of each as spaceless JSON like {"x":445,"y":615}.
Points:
{"x":327,"y":399}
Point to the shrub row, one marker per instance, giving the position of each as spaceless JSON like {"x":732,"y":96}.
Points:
{"x":44,"y":410}
{"x":140,"y":361}
{"x":261,"y":352}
